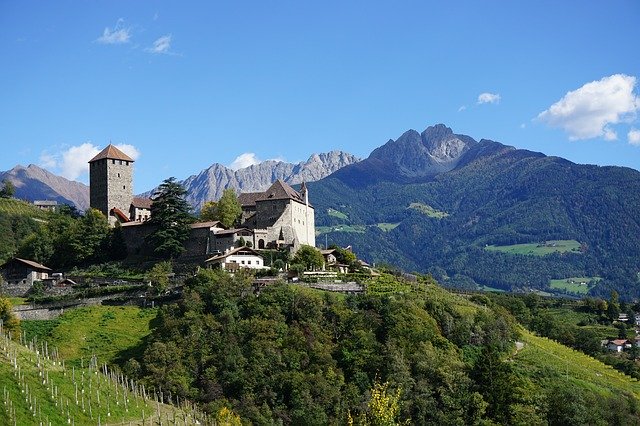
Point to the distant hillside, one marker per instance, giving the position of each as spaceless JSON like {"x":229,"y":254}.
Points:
{"x":441,"y":222}
{"x":211,"y":182}
{"x":34,"y":183}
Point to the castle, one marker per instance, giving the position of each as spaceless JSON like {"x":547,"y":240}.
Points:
{"x":279,"y":217}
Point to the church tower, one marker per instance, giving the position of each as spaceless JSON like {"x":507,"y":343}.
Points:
{"x":111,"y":184}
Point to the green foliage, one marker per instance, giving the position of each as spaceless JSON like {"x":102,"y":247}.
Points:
{"x":10,"y":323}
{"x":8,"y":189}
{"x":170,"y":214}
{"x":66,"y":240}
{"x":228,"y":209}
{"x":18,"y":219}
{"x":208,"y":212}
{"x":309,"y":257}
{"x":428,"y":210}
{"x":159,"y":276}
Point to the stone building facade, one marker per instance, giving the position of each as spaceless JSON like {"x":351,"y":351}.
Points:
{"x":111,"y":184}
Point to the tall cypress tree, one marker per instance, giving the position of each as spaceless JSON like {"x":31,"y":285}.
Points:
{"x":170,"y":213}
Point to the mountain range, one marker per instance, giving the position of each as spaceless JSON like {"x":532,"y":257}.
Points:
{"x":446,"y":204}
{"x":471,"y":213}
{"x":34,"y":183}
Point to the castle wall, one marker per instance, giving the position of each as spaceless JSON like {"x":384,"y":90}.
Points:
{"x":269,"y":211}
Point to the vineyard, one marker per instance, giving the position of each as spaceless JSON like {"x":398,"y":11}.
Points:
{"x":561,"y":362}
{"x":39,"y":388}
{"x":13,"y":207}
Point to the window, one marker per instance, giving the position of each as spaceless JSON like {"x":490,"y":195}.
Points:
{"x":118,"y":174}
{"x":113,"y":161}
{"x":120,"y":162}
{"x":248,"y":262}
{"x":242,"y":261}
{"x":124,"y":186}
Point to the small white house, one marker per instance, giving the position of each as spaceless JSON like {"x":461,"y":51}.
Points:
{"x":617,"y":345}
{"x":238,"y":258}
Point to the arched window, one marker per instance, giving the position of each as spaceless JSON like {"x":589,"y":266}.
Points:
{"x":260,"y":243}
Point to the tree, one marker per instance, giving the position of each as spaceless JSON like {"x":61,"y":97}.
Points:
{"x":228,"y":209}
{"x":159,"y":276}
{"x":309,"y":257}
{"x":170,"y":214}
{"x":208,"y":212}
{"x":9,"y":321}
{"x":8,"y":189}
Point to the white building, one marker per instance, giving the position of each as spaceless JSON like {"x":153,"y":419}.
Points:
{"x":239,"y":258}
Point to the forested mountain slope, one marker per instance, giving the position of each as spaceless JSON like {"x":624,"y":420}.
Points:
{"x":496,"y":195}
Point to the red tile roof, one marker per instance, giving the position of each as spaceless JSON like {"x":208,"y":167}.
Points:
{"x":111,"y":152}
{"x":117,"y":212}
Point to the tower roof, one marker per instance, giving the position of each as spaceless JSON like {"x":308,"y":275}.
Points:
{"x":111,"y":152}
{"x":280,"y":190}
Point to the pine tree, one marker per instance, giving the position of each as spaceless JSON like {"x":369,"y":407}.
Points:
{"x":170,"y":213}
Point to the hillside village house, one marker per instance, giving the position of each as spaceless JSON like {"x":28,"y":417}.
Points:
{"x":238,"y":258}
{"x":20,"y":274}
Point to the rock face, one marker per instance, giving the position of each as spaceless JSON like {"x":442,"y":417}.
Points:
{"x":34,"y":183}
{"x":211,"y":182}
{"x":412,"y":157}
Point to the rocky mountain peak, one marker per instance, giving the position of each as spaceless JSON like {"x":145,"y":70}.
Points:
{"x":415,"y":155}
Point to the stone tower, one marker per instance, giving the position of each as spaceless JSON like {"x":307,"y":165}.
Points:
{"x":111,"y":183}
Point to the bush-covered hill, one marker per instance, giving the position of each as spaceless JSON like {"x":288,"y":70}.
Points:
{"x":300,"y":356}
{"x":497,"y":195}
{"x":17,"y":220}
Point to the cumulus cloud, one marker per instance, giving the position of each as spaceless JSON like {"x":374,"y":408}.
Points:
{"x":244,"y":160}
{"x":587,"y":112}
{"x":634,"y":137}
{"x":72,"y":162}
{"x":117,"y":35}
{"x":488,"y":98}
{"x":161,"y":45}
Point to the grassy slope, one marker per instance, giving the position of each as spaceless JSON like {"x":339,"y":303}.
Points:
{"x":46,"y":392}
{"x":103,"y":331}
{"x":535,"y":249}
{"x":13,"y":207}
{"x":542,"y":357}
{"x":428,"y":210}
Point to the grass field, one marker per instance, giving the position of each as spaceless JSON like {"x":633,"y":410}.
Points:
{"x":428,"y":210}
{"x":573,"y":284}
{"x":539,"y":249}
{"x":361,"y":229}
{"x":550,"y":360}
{"x":103,"y":331}
{"x":386,"y":227}
{"x":337,"y":213}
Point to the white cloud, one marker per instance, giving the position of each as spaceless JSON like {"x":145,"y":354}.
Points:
{"x":609,"y":134}
{"x":73,"y":162}
{"x":161,"y":45}
{"x":462,"y":108}
{"x":634,"y":137}
{"x":130,"y":150}
{"x":244,"y":160}
{"x":117,"y":35}
{"x":48,"y":161}
{"x":488,"y":98}
{"x":586,"y":112}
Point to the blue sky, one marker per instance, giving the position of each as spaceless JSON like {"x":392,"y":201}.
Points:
{"x":183,"y":85}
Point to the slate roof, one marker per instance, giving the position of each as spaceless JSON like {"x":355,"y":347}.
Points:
{"x":111,"y":152}
{"x":30,"y":263}
{"x":247,"y":199}
{"x":142,"y":203}
{"x":280,"y":190}
{"x":212,"y":224}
